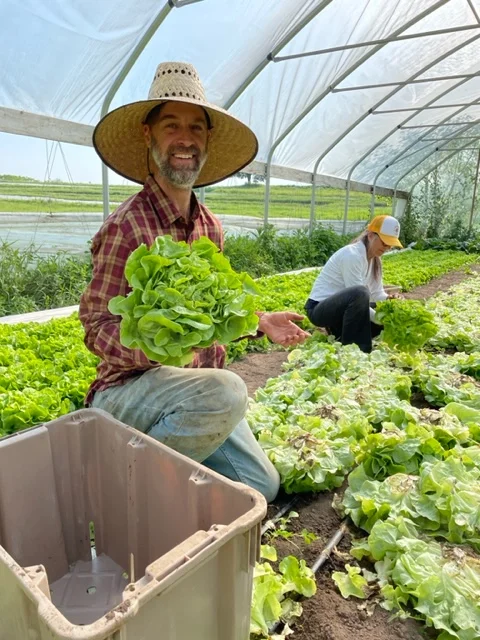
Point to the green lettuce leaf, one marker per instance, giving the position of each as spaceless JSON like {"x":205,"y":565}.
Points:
{"x":352,"y":582}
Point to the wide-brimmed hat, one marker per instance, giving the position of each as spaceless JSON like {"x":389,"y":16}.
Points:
{"x":388,"y":228}
{"x":119,"y":140}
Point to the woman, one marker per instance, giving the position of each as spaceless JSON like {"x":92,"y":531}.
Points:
{"x":341,"y":297}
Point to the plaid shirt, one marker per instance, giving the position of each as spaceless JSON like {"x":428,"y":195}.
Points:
{"x":140,"y":219}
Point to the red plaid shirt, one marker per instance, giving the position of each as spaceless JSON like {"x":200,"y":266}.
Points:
{"x":140,"y":219}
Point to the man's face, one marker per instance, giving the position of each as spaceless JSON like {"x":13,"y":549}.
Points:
{"x":178,"y":143}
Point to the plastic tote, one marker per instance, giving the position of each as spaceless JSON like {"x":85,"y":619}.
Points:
{"x":106,"y":533}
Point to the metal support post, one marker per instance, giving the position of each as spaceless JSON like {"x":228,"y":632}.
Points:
{"x":372,"y":203}
{"x":465,"y":149}
{"x":122,"y":74}
{"x":345,"y":214}
{"x":420,"y":109}
{"x":267,"y":193}
{"x":474,"y":198}
{"x":105,"y":192}
{"x":178,"y":4}
{"x":451,"y":138}
{"x":474,"y":11}
{"x":312,"y":203}
{"x":435,"y":126}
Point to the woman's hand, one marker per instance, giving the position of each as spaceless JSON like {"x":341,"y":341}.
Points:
{"x":395,"y":296}
{"x":280,"y":327}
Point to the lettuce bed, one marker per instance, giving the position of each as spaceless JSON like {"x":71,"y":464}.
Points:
{"x":46,"y":370}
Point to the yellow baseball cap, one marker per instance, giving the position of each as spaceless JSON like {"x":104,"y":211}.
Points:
{"x":388,"y":228}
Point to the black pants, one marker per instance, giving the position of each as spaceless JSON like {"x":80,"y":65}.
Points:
{"x":346,"y":315}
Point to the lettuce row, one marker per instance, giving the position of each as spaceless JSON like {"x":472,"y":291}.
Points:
{"x":438,"y":581}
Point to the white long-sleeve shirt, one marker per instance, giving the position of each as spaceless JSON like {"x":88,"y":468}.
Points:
{"x":348,"y":267}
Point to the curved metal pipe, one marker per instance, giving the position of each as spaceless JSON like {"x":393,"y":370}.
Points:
{"x":404,"y":175}
{"x":440,"y":124}
{"x":120,"y":77}
{"x":343,"y":76}
{"x":283,"y":43}
{"x":364,"y":116}
{"x":372,"y":205}
{"x":423,"y":135}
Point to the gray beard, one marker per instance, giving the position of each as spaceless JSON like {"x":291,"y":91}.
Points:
{"x":180,"y":178}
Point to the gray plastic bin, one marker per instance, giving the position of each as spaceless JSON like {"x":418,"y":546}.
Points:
{"x":175,"y":543}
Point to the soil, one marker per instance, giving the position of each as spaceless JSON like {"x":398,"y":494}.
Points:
{"x":442,"y":283}
{"x":257,"y":368}
{"x":327,"y":615}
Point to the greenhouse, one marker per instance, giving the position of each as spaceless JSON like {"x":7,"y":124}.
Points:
{"x":240,"y":365}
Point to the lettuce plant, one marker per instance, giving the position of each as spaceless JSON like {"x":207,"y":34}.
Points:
{"x":407,"y":324}
{"x":184,"y":297}
{"x":272,"y":592}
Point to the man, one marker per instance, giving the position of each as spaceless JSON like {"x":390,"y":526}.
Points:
{"x":171,"y":142}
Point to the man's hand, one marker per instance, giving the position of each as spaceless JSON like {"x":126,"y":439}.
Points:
{"x":280,"y":327}
{"x":395,"y":296}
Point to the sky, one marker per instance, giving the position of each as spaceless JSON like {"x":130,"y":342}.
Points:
{"x":36,"y":32}
{"x":25,"y":156}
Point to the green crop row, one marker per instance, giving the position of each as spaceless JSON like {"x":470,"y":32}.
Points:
{"x":46,"y":369}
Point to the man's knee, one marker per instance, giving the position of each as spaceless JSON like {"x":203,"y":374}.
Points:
{"x":266,"y":480}
{"x":232,"y":394}
{"x":270,"y":484}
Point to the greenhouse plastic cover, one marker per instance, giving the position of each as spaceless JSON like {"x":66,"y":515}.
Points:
{"x":59,"y":58}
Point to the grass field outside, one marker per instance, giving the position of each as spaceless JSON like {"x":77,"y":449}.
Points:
{"x":285,"y":201}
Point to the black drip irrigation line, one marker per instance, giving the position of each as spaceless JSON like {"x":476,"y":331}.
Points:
{"x":319,"y":562}
{"x":270,"y":524}
{"x":332,"y":543}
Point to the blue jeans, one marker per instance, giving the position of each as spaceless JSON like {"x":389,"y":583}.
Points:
{"x":197,"y":412}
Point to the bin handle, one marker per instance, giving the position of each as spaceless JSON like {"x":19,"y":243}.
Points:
{"x":180,"y":555}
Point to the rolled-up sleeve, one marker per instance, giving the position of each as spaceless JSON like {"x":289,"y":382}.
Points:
{"x":110,"y":250}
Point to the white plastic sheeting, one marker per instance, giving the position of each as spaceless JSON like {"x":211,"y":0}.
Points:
{"x":59,"y":58}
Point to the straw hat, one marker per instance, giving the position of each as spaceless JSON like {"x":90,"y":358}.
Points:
{"x":119,"y":141}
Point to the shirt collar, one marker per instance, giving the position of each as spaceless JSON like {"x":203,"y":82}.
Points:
{"x":164,"y":207}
